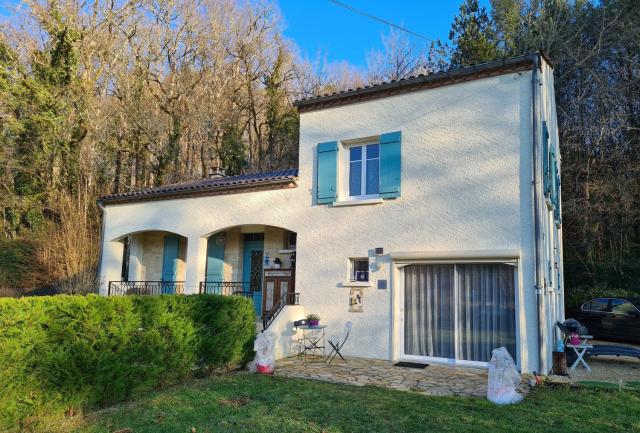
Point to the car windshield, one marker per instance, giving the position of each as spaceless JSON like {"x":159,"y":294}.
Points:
{"x":620,"y":306}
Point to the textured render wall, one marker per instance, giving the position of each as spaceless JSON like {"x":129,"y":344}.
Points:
{"x":233,"y":255}
{"x":466,"y":185}
{"x":152,"y":255}
{"x":274,"y":242}
{"x":286,"y":335}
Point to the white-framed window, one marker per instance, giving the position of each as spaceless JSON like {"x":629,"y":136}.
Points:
{"x":364,"y":171}
{"x":359,"y":269}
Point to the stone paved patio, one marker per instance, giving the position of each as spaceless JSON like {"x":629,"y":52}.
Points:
{"x":433,"y":380}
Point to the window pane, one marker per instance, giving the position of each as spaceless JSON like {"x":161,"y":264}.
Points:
{"x":486,"y":310}
{"x":618,"y":306}
{"x":373,"y":151}
{"x":360,"y":270}
{"x":599,"y":304}
{"x":355,"y":153}
{"x":429,"y":310}
{"x":373,"y":176}
{"x":355,"y":178}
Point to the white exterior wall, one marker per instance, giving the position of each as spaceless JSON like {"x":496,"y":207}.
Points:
{"x":466,"y":185}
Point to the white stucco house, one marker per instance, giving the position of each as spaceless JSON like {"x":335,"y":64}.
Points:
{"x":426,"y":211}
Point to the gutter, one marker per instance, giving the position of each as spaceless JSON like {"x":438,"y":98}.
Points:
{"x":191,"y":192}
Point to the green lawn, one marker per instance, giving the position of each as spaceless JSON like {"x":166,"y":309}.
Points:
{"x":252,"y":403}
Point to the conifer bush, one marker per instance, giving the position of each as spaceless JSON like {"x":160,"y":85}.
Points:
{"x":62,"y":353}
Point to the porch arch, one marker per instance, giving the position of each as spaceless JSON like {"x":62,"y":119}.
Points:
{"x":243,"y":259}
{"x":152,"y":262}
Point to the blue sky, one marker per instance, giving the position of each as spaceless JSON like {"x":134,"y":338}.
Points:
{"x":344,"y":35}
{"x":320,"y":25}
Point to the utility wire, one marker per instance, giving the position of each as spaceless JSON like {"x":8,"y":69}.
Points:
{"x":381,"y":20}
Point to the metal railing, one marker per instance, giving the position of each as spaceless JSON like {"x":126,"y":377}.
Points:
{"x":287,"y":299}
{"x":145,"y":288}
{"x":239,"y":288}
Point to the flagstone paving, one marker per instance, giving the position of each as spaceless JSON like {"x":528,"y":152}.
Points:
{"x":432,"y":380}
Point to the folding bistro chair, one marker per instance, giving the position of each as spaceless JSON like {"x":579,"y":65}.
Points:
{"x":337,"y":343}
{"x":299,"y":339}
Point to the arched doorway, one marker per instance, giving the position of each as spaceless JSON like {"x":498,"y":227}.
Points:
{"x":256,"y":261}
{"x":153,"y":263}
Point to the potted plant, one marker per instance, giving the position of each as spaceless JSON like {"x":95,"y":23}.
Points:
{"x":313,"y":319}
{"x":277,"y":263}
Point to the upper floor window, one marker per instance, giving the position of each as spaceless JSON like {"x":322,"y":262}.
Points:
{"x":364,"y":170}
{"x":360,"y":168}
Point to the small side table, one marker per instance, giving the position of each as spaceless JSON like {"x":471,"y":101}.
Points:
{"x":312,"y":340}
{"x":581,"y":350}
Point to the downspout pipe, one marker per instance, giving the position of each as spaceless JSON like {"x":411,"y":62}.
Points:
{"x":536,"y":216}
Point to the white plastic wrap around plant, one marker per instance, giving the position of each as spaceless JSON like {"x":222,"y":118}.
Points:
{"x":503,"y":378}
{"x":265,"y":352}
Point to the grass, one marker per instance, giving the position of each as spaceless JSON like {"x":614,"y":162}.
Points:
{"x":598,"y":385}
{"x":252,"y":403}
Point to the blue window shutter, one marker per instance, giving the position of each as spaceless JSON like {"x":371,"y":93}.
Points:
{"x":390,"y":164}
{"x":215,"y":258}
{"x":553,"y":175}
{"x":327,"y":172}
{"x":546,"y":176}
{"x":556,"y":190}
{"x":170,"y":261}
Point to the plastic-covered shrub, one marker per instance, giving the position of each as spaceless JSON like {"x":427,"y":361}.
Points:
{"x":265,"y":352}
{"x":503,"y":378}
{"x":63,"y":352}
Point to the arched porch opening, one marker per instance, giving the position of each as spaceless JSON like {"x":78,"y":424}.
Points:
{"x":153,"y":263}
{"x":256,"y":261}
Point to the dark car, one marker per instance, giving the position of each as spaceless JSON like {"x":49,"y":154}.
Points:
{"x":615,"y":319}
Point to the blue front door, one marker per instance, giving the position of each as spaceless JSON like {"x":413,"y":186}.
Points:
{"x":170,"y":263}
{"x":252,"y":269}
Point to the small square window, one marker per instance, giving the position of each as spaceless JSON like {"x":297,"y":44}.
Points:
{"x":359,"y":270}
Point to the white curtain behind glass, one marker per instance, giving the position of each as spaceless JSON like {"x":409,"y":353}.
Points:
{"x":485,"y":310}
{"x":429,"y":315}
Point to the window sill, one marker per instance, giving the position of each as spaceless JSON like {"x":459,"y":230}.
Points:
{"x":357,"y":202}
{"x":356,"y":284}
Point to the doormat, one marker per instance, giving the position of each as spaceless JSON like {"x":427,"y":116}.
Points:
{"x":410,"y":364}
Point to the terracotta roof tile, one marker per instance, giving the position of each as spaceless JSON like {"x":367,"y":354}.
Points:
{"x":210,"y":185}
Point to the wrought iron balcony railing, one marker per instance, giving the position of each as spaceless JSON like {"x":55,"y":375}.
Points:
{"x":239,"y":288}
{"x":287,"y":299}
{"x":145,"y":288}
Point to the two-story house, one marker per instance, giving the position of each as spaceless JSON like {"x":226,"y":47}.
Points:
{"x":426,"y":211}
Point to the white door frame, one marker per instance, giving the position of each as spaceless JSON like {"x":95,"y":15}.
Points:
{"x":397,"y":331}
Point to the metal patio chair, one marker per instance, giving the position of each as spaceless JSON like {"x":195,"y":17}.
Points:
{"x":337,"y":342}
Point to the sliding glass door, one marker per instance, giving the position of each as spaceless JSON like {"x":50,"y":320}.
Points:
{"x":458,"y":311}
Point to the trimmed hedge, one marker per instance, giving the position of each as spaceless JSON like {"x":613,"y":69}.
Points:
{"x":66,"y":352}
